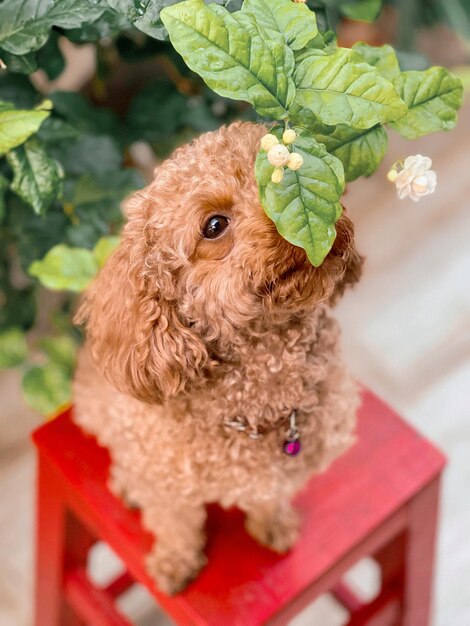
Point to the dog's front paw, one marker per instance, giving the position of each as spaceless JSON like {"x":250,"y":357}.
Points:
{"x":279,"y":533}
{"x":173,"y":571}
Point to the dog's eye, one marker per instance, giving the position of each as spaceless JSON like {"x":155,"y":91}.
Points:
{"x":215,"y":226}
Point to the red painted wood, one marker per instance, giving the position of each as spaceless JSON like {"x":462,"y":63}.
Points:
{"x":383,"y":611}
{"x":360,"y":504}
{"x":120,"y":585}
{"x":78,"y":541}
{"x":420,"y":555}
{"x":93,"y":604}
{"x":394,"y":525}
{"x":391,"y":559}
{"x":347,"y":597}
{"x":50,"y":547}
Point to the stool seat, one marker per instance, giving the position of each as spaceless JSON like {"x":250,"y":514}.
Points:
{"x":382,"y":490}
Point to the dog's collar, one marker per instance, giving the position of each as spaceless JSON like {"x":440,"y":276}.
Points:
{"x":291,"y":445}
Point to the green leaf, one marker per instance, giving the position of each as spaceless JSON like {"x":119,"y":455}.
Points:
{"x":4,"y":185}
{"x":433,"y":97}
{"x":37,"y":179}
{"x":23,"y":64}
{"x":65,"y":268}
{"x":50,"y":57}
{"x":104,"y":249}
{"x":383,"y":58}
{"x":96,"y":201}
{"x":18,"y":307}
{"x":231,"y":5}
{"x":47,"y":388}
{"x":294,"y":21}
{"x":89,"y":154}
{"x":360,"y":151}
{"x":157,"y":110}
{"x":13,"y":348}
{"x":87,"y":232}
{"x":110,"y":187}
{"x":144,"y":15}
{"x":108,"y":24}
{"x":17,"y":125}
{"x":229,"y":51}
{"x":306,"y":204}
{"x":78,"y":111}
{"x":34,"y":234}
{"x":323,"y":42}
{"x":341,"y":89}
{"x":364,"y":10}
{"x":25,"y":26}
{"x":54,"y":130}
{"x":18,"y":89}
{"x":61,"y":350}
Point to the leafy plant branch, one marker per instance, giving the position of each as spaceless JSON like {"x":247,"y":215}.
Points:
{"x":273,"y":56}
{"x":64,"y":162}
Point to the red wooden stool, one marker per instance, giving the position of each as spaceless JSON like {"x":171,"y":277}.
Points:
{"x":380,"y":499}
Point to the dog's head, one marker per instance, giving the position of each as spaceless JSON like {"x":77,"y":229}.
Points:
{"x":199,"y":265}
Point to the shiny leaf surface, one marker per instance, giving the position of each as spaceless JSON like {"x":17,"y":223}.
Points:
{"x":433,"y":97}
{"x":37,"y":179}
{"x":339,"y":88}
{"x":17,"y":125}
{"x":25,"y":25}
{"x":383,"y":58}
{"x":228,"y":50}
{"x":360,"y":151}
{"x":294,"y":21}
{"x":306,"y":204}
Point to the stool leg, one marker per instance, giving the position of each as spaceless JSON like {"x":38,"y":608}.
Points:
{"x":61,"y":543}
{"x":78,"y":541}
{"x":391,"y":559}
{"x":419,"y":556}
{"x":50,"y":541}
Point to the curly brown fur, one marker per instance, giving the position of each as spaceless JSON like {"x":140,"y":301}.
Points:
{"x":184,"y":332}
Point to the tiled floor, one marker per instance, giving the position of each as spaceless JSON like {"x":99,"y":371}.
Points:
{"x":406,"y":335}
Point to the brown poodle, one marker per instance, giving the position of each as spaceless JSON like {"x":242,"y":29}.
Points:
{"x":210,"y":349}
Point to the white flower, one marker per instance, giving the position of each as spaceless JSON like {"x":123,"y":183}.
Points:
{"x":268,"y":141}
{"x":289,"y":136}
{"x":416,"y":179}
{"x":278,"y":155}
{"x":295,"y":161}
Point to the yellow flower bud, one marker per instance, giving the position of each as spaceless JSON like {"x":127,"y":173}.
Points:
{"x":295,"y":161}
{"x":277,"y":175}
{"x":289,"y":136}
{"x":268,"y":141}
{"x":392,"y":175}
{"x":278,"y":155}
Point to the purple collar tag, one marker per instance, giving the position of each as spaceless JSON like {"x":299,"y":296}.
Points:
{"x":292,"y":445}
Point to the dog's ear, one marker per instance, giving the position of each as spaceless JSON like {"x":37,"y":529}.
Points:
{"x":136,"y":338}
{"x":343,"y":265}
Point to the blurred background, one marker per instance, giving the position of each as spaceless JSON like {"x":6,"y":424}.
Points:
{"x":122,"y":101}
